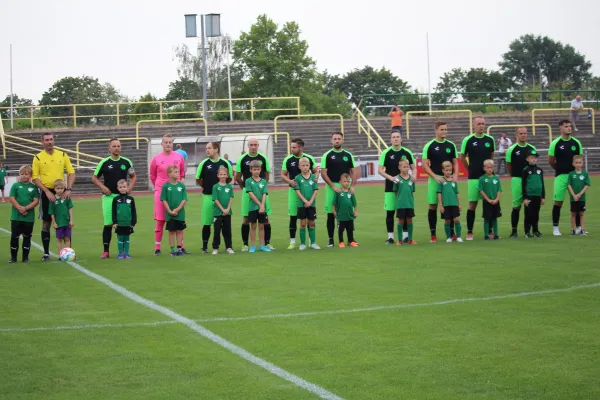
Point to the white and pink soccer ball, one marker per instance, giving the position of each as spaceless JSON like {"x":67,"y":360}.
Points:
{"x":67,"y":254}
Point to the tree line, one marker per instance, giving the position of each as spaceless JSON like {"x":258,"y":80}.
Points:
{"x":270,"y":60}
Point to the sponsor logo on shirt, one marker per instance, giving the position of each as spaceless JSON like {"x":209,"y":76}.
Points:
{"x":448,"y":150}
{"x":123,"y":167}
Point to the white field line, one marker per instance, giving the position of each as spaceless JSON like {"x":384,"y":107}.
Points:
{"x":237,"y":350}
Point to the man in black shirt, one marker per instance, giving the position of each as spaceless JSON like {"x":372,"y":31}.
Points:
{"x":516,"y":160}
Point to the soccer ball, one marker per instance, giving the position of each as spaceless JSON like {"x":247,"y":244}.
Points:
{"x":67,"y":254}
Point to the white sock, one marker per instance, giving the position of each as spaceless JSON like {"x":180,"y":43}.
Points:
{"x":292,"y":241}
{"x":404,"y":235}
{"x":391,"y":235}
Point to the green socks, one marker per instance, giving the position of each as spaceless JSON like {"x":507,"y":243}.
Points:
{"x":448,"y":230}
{"x":126,"y":246}
{"x":458,"y":229}
{"x":312,"y":233}
{"x":495,"y":227}
{"x":486,"y":228}
{"x":120,"y":243}
{"x":303,"y":236}
{"x":410,"y":231}
{"x":400,"y":230}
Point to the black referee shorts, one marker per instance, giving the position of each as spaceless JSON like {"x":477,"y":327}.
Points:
{"x":491,"y":211}
{"x":44,"y":216}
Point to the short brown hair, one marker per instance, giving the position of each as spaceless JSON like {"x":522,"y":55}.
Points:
{"x":114,"y":139}
{"x":298,"y":141}
{"x":344,"y":176}
{"x":337,"y":133}
{"x":47,"y":134}
{"x":172,"y":168}
{"x":403,"y":161}
{"x":25,"y":169}
{"x":59,"y":183}
{"x":122,"y":182}
{"x":578,"y":157}
{"x":216,"y":145}
{"x":446,"y":164}
{"x":564,"y":122}
{"x":255,"y":164}
{"x":439,"y":123}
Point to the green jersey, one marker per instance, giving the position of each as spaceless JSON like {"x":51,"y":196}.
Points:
{"x":24,"y":194}
{"x":449,"y":191}
{"x":490,"y":185}
{"x":259,"y":188}
{"x":174,"y":194}
{"x":222,"y":193}
{"x":578,"y":181}
{"x":2,"y":176}
{"x":60,"y":209}
{"x":532,"y":182}
{"x":123,"y":210}
{"x":344,"y":204}
{"x":306,"y":187}
{"x":404,"y":190}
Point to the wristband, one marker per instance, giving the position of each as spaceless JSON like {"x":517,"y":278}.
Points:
{"x":67,"y":189}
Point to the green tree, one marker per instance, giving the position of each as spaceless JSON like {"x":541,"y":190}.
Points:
{"x":150,"y":109}
{"x":184,"y":88}
{"x":17,"y":102}
{"x":80,"y":90}
{"x":530,"y":56}
{"x":368,"y":80}
{"x":491,"y":85}
{"x":273,"y":61}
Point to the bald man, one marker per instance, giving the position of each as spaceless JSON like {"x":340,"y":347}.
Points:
{"x":242,"y":172}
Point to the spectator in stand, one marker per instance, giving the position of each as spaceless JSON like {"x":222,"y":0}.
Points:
{"x":396,"y":116}
{"x":184,"y":154}
{"x":576,"y":106}
{"x":503,"y":144}
{"x":226,"y":157}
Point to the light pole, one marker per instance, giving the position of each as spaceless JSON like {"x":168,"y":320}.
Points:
{"x":213,"y":29}
{"x":229,"y":78}
{"x":12,"y":111}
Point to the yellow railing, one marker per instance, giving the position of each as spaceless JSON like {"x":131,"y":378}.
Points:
{"x":102,"y":140}
{"x":18,"y":142}
{"x":2,"y":139}
{"x":408,"y":114}
{"x":561,"y":109}
{"x":286,"y":134}
{"x":340,"y":116}
{"x":523,"y":125}
{"x":156,"y":121}
{"x":364,"y":126}
{"x":161,"y":114}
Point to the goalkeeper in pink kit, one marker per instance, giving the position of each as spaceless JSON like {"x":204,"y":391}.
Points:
{"x":158,"y":177}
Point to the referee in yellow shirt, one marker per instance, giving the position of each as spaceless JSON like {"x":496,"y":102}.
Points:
{"x":48,"y":166}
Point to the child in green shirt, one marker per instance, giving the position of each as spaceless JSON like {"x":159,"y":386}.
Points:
{"x":24,"y":197}
{"x":579,"y":182}
{"x":345,"y":209}
{"x":449,"y":201}
{"x":404,"y":188}
{"x":222,"y":196}
{"x":174,"y":197}
{"x":61,"y":212}
{"x":257,"y":189}
{"x":490,"y":189}
{"x":306,"y":189}
{"x":124,"y":216}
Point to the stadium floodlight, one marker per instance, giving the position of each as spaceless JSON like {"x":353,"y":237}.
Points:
{"x":213,"y":22}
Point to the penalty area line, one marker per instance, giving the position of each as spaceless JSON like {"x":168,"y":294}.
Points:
{"x":202,"y":331}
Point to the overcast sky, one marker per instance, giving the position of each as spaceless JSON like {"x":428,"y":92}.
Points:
{"x":129,"y":43}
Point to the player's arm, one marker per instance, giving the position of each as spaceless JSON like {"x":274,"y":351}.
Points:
{"x":493,"y":148}
{"x":552,"y":154}
{"x":524,"y":176}
{"x":200,"y":174}
{"x":543,"y":186}
{"x":133,"y":212}
{"x":267,"y":169}
{"x":326,"y":178}
{"x":70,"y":175}
{"x":381,"y":168}
{"x":314,"y":196}
{"x":464,"y":151}
{"x":413,"y":166}
{"x":71,"y":223}
{"x":354,"y":172}
{"x":114,"y":212}
{"x":482,"y":193}
{"x":334,"y":205}
{"x":254,"y":198}
{"x":153,"y":173}
{"x":180,"y":206}
{"x":239,"y":179}
{"x":508,"y":160}
{"x":302,"y":198}
{"x":54,"y":224}
{"x":355,"y":204}
{"x":132,"y":178}
{"x":286,"y":179}
{"x":440,"y":201}
{"x":229,"y":172}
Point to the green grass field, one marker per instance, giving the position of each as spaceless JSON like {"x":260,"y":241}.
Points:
{"x":509,"y":319}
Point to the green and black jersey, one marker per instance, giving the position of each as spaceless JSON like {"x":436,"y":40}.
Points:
{"x":337,"y":162}
{"x":449,"y":191}
{"x":259,"y":188}
{"x":123,"y":210}
{"x":438,"y":152}
{"x":243,"y":165}
{"x":404,"y":189}
{"x":113,"y":171}
{"x":390,"y":158}
{"x":490,"y":185}
{"x":578,"y":181}
{"x":24,"y":194}
{"x":60,"y":209}
{"x":223,"y":194}
{"x":291,"y":164}
{"x":207,"y":172}
{"x":516,"y":155}
{"x":344,"y":203}
{"x":532,"y":182}
{"x":478,"y":149}
{"x":174,"y":194}
{"x":306,"y":187}
{"x":564,"y":151}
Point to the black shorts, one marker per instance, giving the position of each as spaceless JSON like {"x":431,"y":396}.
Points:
{"x":174,"y":225}
{"x":451,"y":212}
{"x":309,"y":213}
{"x":578,"y":206}
{"x":254,"y":216}
{"x":2,"y":187}
{"x":44,"y":216}
{"x":124,"y":230}
{"x":18,"y":228}
{"x":404,"y":213}
{"x":491,"y":211}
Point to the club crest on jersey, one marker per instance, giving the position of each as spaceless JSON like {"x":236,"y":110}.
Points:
{"x":495,"y":181}
{"x":448,"y":151}
{"x":573,"y":148}
{"x":453,"y":184}
{"x":345,"y":158}
{"x":410,"y":183}
{"x":539,"y":172}
{"x":261,"y":186}
{"x":403,"y":158}
{"x":487,"y":145}
{"x":30,"y":190}
{"x":123,"y":167}
{"x":581,"y":178}
{"x":128,"y":201}
{"x":179,"y":189}
{"x":226,"y":190}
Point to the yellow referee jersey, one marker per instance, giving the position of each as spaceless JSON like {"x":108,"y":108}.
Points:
{"x":51,"y":167}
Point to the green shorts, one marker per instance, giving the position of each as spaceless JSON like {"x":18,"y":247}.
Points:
{"x":432,"y":193}
{"x":473,"y":190}
{"x":292,"y":203}
{"x":329,"y":196}
{"x":246,"y":204}
{"x":389,"y":201}
{"x":107,"y":208}
{"x":208,"y":209}
{"x":561,"y":184}
{"x":517,"y":191}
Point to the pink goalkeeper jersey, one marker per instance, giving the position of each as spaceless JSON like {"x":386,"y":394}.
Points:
{"x":159,"y":165}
